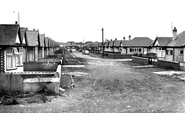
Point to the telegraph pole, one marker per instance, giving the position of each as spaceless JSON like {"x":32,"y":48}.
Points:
{"x":102,"y":43}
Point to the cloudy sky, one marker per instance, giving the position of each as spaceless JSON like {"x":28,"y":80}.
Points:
{"x":78,"y":20}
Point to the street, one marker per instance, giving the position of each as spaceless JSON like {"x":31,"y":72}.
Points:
{"x":112,"y":86}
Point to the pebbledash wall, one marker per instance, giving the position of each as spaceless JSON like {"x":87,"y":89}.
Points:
{"x":160,"y":63}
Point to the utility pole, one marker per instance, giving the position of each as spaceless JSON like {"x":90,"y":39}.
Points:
{"x":102,"y":43}
{"x":18,"y":18}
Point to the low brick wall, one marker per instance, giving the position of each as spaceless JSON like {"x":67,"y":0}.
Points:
{"x":168,"y":64}
{"x":119,"y":56}
{"x":139,"y":60}
{"x":39,"y":66}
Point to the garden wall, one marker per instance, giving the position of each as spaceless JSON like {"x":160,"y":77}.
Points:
{"x":119,"y":56}
{"x":160,"y":63}
{"x":139,"y":60}
{"x":10,"y":82}
{"x":168,"y":64}
{"x":29,"y":81}
{"x":39,"y":66}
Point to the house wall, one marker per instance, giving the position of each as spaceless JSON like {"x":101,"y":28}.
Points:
{"x":123,"y":50}
{"x":116,"y":49}
{"x":40,"y":52}
{"x":169,"y":56}
{"x":134,"y":50}
{"x":177,"y":56}
{"x":24,"y":57}
{"x":30,"y":55}
{"x":35,"y":53}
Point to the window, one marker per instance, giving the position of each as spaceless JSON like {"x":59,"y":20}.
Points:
{"x":130,"y":50}
{"x":139,"y":49}
{"x":169,"y":52}
{"x":20,"y":56}
{"x":10,"y":59}
{"x":181,"y":52}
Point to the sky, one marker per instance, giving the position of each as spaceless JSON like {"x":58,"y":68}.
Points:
{"x":82,"y":20}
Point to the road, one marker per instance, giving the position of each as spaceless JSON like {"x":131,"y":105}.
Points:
{"x":114,"y":86}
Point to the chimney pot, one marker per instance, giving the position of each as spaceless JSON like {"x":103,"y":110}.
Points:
{"x":129,"y":37}
{"x":16,"y":22}
{"x":174,"y":33}
{"x":174,"y":29}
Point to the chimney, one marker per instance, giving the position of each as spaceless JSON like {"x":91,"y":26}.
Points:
{"x":129,"y":37}
{"x":115,"y":38}
{"x":111,"y":40}
{"x":123,"y":38}
{"x":174,"y":33}
{"x":16,"y":22}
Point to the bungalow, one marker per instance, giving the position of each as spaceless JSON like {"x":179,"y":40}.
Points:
{"x":50,"y":46}
{"x":159,"y":46}
{"x":10,"y":46}
{"x":106,"y":49}
{"x":176,"y":48}
{"x":117,"y":46}
{"x":32,"y":37}
{"x":139,"y":45}
{"x":46,"y":47}
{"x":41,"y":46}
{"x":24,"y":44}
{"x":71,"y":46}
{"x":111,"y":46}
{"x":124,"y":45}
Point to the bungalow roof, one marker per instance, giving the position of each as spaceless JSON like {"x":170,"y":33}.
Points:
{"x":125,"y":43}
{"x":71,"y":44}
{"x":8,"y":34}
{"x":179,"y":41}
{"x":117,"y":43}
{"x":163,"y":41}
{"x":22,"y":35}
{"x":106,"y":43}
{"x":111,"y":43}
{"x":139,"y":42}
{"x":41,"y":40}
{"x":46,"y":42}
{"x":32,"y":37}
